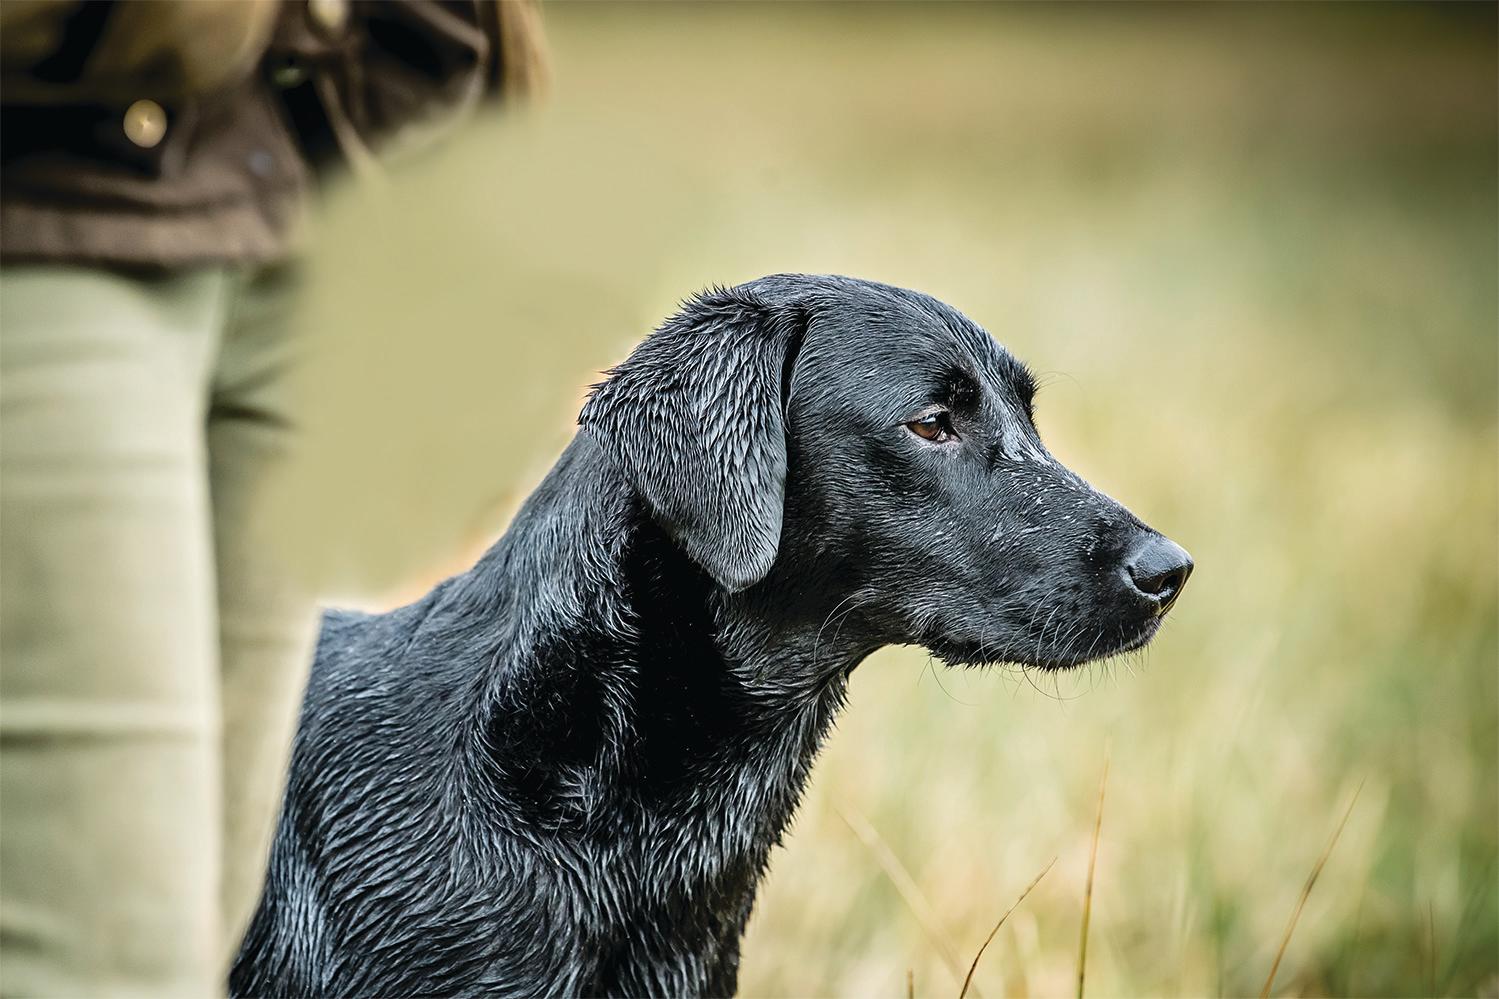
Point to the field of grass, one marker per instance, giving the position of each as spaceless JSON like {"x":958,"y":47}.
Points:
{"x":1253,"y":251}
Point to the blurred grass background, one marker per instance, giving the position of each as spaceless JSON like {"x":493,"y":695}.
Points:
{"x":1253,"y":250}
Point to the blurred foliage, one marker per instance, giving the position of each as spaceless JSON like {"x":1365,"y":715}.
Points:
{"x":1253,"y":250}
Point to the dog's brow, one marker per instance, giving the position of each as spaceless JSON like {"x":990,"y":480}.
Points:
{"x":903,"y":402}
{"x":960,"y":388}
{"x":1023,"y":381}
{"x":989,"y":354}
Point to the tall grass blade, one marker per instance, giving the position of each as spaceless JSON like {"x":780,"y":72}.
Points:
{"x":1082,"y":947}
{"x":905,"y":884}
{"x":974,"y":966}
{"x":1306,"y":892}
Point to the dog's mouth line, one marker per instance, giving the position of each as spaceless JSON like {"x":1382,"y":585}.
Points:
{"x":1138,"y":640}
{"x":978,"y":655}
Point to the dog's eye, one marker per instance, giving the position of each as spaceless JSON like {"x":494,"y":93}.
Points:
{"x":936,"y":428}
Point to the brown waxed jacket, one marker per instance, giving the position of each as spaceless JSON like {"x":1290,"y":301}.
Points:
{"x":180,"y":132}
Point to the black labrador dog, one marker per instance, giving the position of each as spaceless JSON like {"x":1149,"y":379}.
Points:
{"x":562,"y":772}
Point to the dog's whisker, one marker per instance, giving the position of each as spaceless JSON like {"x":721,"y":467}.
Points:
{"x":841,"y":622}
{"x":1041,"y":636}
{"x":817,"y":639}
{"x":936,"y":675}
{"x":1026,"y":671}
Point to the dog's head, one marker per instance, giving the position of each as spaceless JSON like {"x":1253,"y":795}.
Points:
{"x":862,"y":442}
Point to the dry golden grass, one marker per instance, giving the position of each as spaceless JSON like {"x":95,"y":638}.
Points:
{"x":1306,"y":892}
{"x":1082,"y":946}
{"x":968,"y":979}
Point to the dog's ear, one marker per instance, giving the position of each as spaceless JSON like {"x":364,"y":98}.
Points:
{"x":696,"y":419}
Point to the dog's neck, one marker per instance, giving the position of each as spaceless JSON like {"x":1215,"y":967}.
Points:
{"x":626,"y":688}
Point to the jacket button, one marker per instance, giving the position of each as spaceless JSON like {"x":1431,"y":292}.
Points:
{"x":145,"y":123}
{"x":287,"y":75}
{"x":330,"y":15}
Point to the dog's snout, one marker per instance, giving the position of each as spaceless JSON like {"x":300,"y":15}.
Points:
{"x":1158,"y":569}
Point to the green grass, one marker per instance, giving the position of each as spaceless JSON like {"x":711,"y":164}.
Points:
{"x":1252,"y":249}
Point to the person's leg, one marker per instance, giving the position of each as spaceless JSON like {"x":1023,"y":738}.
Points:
{"x":267,"y":621}
{"x":109,"y":705}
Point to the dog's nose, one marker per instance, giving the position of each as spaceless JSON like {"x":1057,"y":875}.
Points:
{"x":1158,"y":569}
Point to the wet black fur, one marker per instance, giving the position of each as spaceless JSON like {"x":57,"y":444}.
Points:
{"x":562,"y":772}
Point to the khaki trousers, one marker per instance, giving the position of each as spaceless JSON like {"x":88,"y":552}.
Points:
{"x":151,"y":654}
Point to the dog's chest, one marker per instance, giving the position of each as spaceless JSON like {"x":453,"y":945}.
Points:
{"x":669,"y":905}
